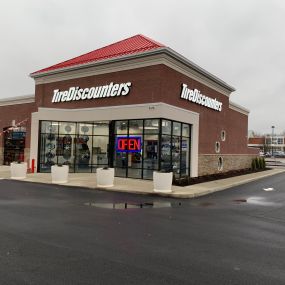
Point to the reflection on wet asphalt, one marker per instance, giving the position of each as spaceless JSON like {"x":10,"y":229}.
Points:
{"x":133,"y":205}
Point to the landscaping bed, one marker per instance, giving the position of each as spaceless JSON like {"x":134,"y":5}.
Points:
{"x":185,"y":181}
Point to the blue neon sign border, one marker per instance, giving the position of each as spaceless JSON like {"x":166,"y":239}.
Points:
{"x":129,"y":137}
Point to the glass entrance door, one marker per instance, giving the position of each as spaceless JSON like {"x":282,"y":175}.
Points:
{"x":143,"y":146}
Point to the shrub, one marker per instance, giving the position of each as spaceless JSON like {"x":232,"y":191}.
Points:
{"x":253,"y":164}
{"x":263,"y":162}
{"x":257,"y":162}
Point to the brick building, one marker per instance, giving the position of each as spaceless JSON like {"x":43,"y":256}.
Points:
{"x":135,"y":105}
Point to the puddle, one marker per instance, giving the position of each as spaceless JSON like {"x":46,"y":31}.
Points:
{"x":268,"y":189}
{"x":260,"y":201}
{"x":130,"y":205}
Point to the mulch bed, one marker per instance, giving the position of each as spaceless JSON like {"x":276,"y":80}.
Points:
{"x":185,"y":181}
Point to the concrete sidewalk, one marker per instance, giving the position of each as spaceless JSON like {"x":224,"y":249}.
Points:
{"x":138,"y":186}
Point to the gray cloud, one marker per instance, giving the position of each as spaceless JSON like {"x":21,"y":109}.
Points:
{"x":239,"y":41}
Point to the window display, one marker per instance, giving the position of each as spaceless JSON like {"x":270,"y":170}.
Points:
{"x":74,"y":144}
{"x":138,"y":147}
{"x":166,"y":151}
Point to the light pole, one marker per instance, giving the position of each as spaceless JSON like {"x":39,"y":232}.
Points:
{"x":272,"y":140}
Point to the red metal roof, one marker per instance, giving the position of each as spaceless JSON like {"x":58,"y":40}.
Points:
{"x":133,"y":45}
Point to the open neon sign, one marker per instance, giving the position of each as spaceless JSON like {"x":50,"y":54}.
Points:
{"x":128,"y":144}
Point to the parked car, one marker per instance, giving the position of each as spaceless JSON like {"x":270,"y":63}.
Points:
{"x":267,"y":154}
{"x":278,"y":153}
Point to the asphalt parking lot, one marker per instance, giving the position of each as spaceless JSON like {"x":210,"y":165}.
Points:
{"x":59,"y":235}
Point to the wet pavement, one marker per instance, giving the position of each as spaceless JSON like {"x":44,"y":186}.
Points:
{"x":275,"y":162}
{"x":51,"y":234}
{"x":145,"y":187}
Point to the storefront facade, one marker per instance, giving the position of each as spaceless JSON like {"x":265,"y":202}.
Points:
{"x":137,"y":106}
{"x":135,"y":148}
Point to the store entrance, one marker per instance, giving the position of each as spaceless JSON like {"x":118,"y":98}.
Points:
{"x":136,"y":148}
{"x":147,"y":145}
{"x":14,"y":144}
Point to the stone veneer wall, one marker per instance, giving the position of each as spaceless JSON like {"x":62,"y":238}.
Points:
{"x":208,"y":163}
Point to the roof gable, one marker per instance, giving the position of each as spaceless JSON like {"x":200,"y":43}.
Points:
{"x":132,"y":45}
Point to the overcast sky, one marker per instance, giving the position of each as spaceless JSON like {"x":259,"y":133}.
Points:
{"x":242,"y":42}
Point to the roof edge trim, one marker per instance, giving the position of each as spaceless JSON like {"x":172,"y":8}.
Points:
{"x":238,"y":108}
{"x":159,"y":50}
{"x":17,"y":100}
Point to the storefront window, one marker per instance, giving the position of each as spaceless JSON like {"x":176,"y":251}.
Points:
{"x":176,"y":154}
{"x":121,"y":127}
{"x":65,"y":150}
{"x":166,"y":127}
{"x":135,"y":126}
{"x":83,"y":148}
{"x":165,"y":152}
{"x":138,"y":147}
{"x":100,"y":150}
{"x":121,"y":163}
{"x":85,"y":129}
{"x":47,"y":151}
{"x":151,"y":126}
{"x":185,"y":155}
{"x":73,"y":144}
{"x":185,"y":130}
{"x":101,"y":128}
{"x":66,"y":128}
{"x":151,"y":153}
{"x":176,"y":129}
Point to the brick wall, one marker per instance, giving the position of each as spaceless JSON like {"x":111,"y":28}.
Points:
{"x":1,"y":155}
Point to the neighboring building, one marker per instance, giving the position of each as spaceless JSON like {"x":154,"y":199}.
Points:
{"x":268,"y":143}
{"x":257,"y":142}
{"x":15,"y":123}
{"x":135,"y":105}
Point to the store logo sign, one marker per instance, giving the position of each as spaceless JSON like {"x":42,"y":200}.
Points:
{"x":195,"y":96}
{"x":128,"y":144}
{"x":105,"y":91}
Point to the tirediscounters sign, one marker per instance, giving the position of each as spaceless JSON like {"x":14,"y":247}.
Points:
{"x":195,"y":96}
{"x":128,"y":144}
{"x":105,"y":91}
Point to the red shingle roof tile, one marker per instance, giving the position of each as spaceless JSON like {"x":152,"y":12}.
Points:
{"x":133,"y":45}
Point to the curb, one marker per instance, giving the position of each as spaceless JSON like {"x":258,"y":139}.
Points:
{"x":192,"y":194}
